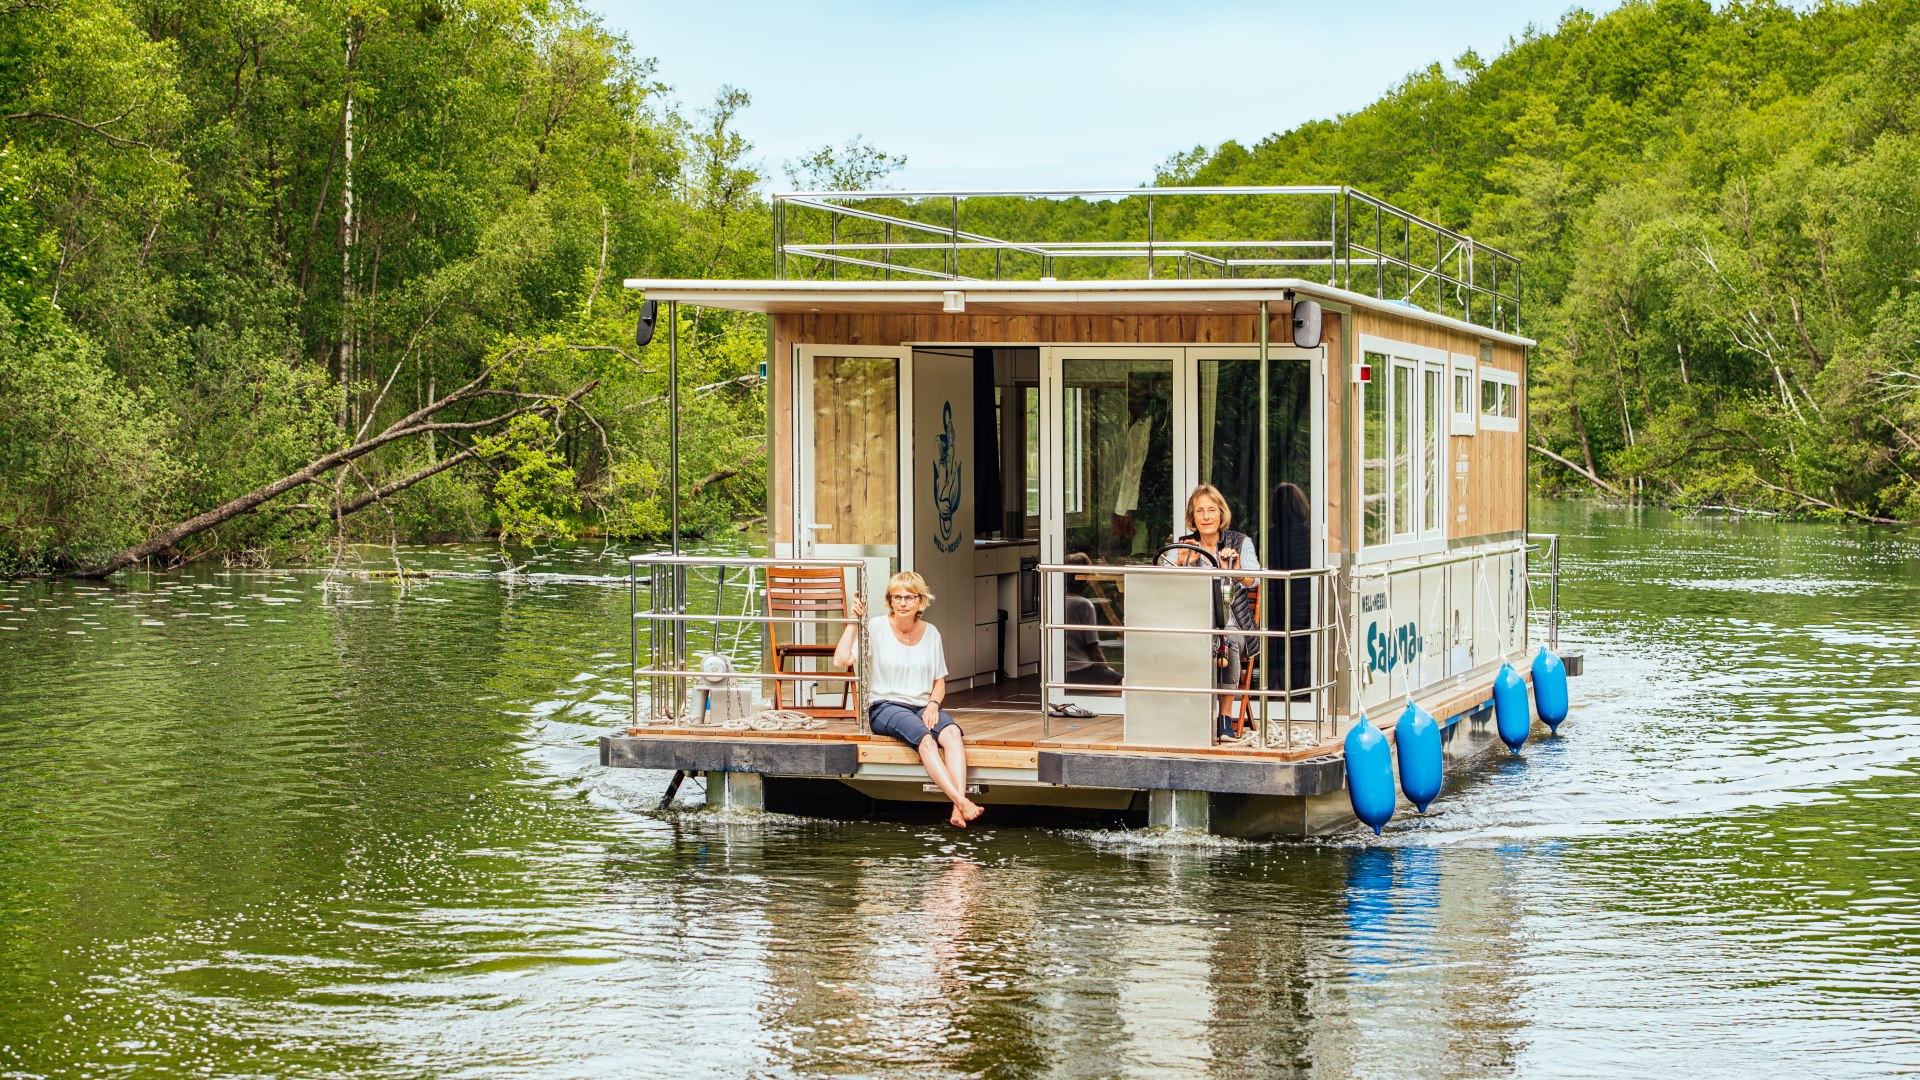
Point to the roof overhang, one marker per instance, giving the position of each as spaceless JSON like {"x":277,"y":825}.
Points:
{"x":1182,"y":297}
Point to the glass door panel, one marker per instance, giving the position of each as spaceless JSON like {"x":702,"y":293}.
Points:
{"x":851,"y":483}
{"x":1229,"y":436}
{"x":1113,"y":479}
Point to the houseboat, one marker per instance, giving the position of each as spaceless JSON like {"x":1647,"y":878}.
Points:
{"x":1012,"y":394}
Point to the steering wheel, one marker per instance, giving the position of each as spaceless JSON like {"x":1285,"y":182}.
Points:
{"x":1188,"y":545}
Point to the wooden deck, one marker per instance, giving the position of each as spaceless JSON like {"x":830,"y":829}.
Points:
{"x":1004,"y":728}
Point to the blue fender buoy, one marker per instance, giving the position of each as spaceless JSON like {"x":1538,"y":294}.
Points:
{"x":1417,"y":738}
{"x":1550,"y":688}
{"x":1510,"y":713}
{"x":1369,"y":774}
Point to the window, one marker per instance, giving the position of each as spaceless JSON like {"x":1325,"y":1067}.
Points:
{"x":1405,"y":417}
{"x":1073,"y":493}
{"x":1403,"y":450}
{"x":1032,"y":443}
{"x":1432,"y":447}
{"x":1499,"y":400}
{"x":1465,"y":408}
{"x":1374,"y":472}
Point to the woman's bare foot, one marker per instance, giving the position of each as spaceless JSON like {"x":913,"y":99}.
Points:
{"x":957,"y":819}
{"x":971,"y":809}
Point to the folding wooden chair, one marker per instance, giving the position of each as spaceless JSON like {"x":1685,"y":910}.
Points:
{"x":1240,"y":710}
{"x":809,"y":593}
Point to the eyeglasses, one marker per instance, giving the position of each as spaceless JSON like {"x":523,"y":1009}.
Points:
{"x":896,"y":597}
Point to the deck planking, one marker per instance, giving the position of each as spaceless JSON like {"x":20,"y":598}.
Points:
{"x":1007,"y":729}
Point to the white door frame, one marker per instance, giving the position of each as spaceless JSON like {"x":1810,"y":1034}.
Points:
{"x":1316,"y":386}
{"x":806,"y":544}
{"x":1053,"y":514}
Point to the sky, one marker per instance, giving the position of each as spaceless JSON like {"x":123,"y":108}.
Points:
{"x":1000,"y":94}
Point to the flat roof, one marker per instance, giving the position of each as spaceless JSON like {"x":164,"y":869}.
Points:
{"x":1079,"y":297}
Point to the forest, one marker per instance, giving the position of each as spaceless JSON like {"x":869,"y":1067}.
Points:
{"x":281,"y":275}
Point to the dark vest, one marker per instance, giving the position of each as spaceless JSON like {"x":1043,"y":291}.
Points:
{"x":1241,"y":597}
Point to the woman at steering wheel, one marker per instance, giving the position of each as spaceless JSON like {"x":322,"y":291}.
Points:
{"x":1210,"y":542}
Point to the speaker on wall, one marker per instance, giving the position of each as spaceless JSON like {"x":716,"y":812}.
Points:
{"x":643,"y":330}
{"x":1306,"y":324}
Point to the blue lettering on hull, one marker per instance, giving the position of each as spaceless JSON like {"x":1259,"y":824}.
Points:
{"x":1386,"y":650}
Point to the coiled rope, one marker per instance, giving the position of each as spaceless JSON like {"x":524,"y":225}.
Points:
{"x":774,"y":720}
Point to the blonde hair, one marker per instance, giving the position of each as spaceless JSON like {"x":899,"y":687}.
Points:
{"x":1211,"y":492}
{"x":914,"y":582}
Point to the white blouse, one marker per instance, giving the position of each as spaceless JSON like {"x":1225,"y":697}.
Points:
{"x":904,"y":673}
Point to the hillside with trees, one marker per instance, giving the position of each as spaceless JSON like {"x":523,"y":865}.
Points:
{"x":1719,"y":218}
{"x":278,"y":275}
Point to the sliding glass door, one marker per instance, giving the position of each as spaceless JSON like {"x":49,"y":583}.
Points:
{"x":1115,"y":466}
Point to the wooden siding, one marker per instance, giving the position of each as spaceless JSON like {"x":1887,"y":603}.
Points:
{"x":1333,"y":327}
{"x":1021,"y":329}
{"x":856,"y":405}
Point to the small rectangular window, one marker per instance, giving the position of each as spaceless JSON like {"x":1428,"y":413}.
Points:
{"x":1465,"y":410}
{"x":1499,"y":400}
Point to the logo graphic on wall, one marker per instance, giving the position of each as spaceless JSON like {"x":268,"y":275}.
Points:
{"x":1388,"y":649}
{"x":946,"y":482}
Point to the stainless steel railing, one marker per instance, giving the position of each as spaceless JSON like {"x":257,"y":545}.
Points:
{"x":1321,"y":677}
{"x":666,"y":619}
{"x":1334,"y":233}
{"x":1552,"y":542}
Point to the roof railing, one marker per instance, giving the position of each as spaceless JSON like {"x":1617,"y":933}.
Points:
{"x":1336,"y":234}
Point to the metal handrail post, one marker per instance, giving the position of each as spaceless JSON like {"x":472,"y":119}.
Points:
{"x":680,"y":639}
{"x":1046,"y":651}
{"x":633,"y":642}
{"x":654,"y":627}
{"x":1553,"y":597}
{"x":1150,"y":240}
{"x":1266,"y":521}
{"x":863,"y":658}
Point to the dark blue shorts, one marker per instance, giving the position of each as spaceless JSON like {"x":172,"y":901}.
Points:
{"x":905,"y":723}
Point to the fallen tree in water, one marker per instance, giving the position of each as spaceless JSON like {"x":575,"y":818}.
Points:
{"x":420,"y":422}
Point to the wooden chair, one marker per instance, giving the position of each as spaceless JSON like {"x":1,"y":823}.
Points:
{"x":808,"y":593}
{"x":1238,"y":709}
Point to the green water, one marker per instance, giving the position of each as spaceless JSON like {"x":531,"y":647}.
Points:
{"x":264,"y":824}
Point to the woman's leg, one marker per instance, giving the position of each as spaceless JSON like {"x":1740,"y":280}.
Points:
{"x":943,"y":778}
{"x":1228,"y":677}
{"x":964,"y":809}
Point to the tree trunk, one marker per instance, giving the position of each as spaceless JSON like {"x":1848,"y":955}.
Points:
{"x":414,"y":424}
{"x":1590,"y":477}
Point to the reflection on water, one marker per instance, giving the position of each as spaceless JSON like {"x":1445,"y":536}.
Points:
{"x":273,"y":824}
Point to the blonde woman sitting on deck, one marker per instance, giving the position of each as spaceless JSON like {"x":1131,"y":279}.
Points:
{"x":907,"y":685}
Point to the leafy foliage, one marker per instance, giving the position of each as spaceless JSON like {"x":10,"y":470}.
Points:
{"x":1716,"y":213}
{"x":273,"y":227}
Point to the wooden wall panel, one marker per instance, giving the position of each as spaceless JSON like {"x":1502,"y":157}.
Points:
{"x":779,"y":433}
{"x":1333,"y":328}
{"x":856,"y":462}
{"x":830,"y":329}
